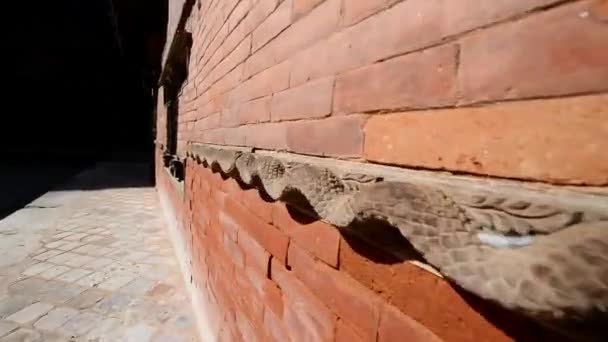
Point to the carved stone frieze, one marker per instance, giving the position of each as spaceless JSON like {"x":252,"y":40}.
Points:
{"x":533,"y":248}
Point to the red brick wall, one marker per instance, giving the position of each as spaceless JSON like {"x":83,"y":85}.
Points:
{"x":269,"y":274}
{"x":512,"y":89}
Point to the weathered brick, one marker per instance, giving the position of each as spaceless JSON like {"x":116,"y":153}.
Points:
{"x":302,"y":7}
{"x":557,"y":52}
{"x":311,"y":100}
{"x":465,"y":15}
{"x":317,"y":24}
{"x":396,"y":326}
{"x":209,"y":122}
{"x":213,"y":136}
{"x":256,"y":256}
{"x":304,"y":315}
{"x":345,"y":333}
{"x":317,"y":237}
{"x":241,"y":10}
{"x":275,"y":327}
{"x":350,"y":300}
{"x":272,"y":26}
{"x":226,"y":83}
{"x":273,"y":240}
{"x":231,"y":61}
{"x":267,"y":290}
{"x":407,"y":26}
{"x":254,"y":111}
{"x":557,"y":141}
{"x":319,"y":137}
{"x":235,"y":136}
{"x":267,"y":82}
{"x":354,"y":11}
{"x":231,"y":247}
{"x":599,"y":10}
{"x":418,"y":80}
{"x":267,"y":135}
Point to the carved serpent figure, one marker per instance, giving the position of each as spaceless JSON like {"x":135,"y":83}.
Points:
{"x":547,"y":263}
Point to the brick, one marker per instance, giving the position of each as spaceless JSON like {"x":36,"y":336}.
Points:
{"x":570,"y":45}
{"x":249,"y":302}
{"x":245,"y":328}
{"x":599,"y":10}
{"x":260,"y":10}
{"x":258,"y":13}
{"x":209,"y":122}
{"x":502,"y":140}
{"x":354,"y":11}
{"x":305,"y":316}
{"x":235,"y":136}
{"x":268,"y":291}
{"x":272,"y":26}
{"x":407,"y":26}
{"x":275,"y":328}
{"x":350,"y":300}
{"x":213,"y":136}
{"x":319,"y":137}
{"x":317,"y":24}
{"x":255,"y":111}
{"x":302,"y":7}
{"x":428,"y":299}
{"x":317,"y":237}
{"x":267,"y":82}
{"x":419,"y":80}
{"x":345,"y":333}
{"x":396,"y":326}
{"x":235,"y":253}
{"x":268,"y":135}
{"x":252,"y":200}
{"x":256,"y":256}
{"x":311,"y":100}
{"x":231,"y":228}
{"x":231,"y":61}
{"x":273,"y":240}
{"x":240,"y":11}
{"x":469,"y":14}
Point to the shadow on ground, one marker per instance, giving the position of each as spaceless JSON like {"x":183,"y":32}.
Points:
{"x":21,"y":182}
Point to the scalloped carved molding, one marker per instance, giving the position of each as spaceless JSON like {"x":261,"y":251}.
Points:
{"x":532,"y":248}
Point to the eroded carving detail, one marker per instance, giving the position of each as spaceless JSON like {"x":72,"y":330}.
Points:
{"x":559,"y":274}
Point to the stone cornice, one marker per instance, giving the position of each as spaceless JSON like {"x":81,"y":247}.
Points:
{"x":533,"y":248}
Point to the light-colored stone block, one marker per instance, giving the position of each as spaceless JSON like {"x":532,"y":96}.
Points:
{"x":48,"y":254}
{"x":30,"y":313}
{"x":115,"y":282}
{"x":53,"y":272}
{"x":55,"y":318}
{"x":37,"y":268}
{"x":73,"y":275}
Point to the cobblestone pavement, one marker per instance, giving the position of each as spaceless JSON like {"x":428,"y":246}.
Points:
{"x":104,"y":272}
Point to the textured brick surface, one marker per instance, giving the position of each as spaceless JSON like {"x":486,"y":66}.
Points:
{"x":511,"y":89}
{"x":311,"y":100}
{"x":419,"y":80}
{"x":554,"y":53}
{"x":557,"y":141}
{"x":318,"y":238}
{"x":319,"y":137}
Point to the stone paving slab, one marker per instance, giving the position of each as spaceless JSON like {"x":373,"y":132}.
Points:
{"x":104,"y":271}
